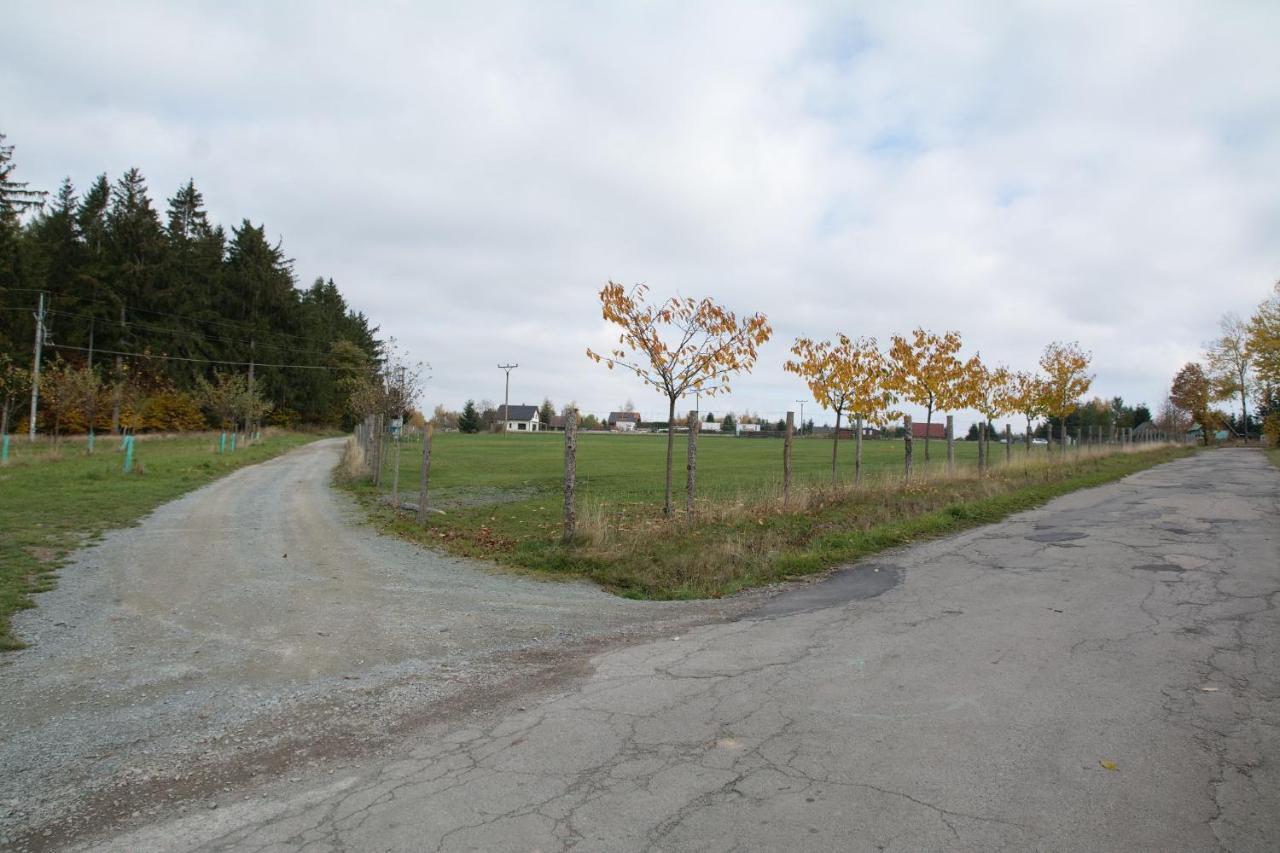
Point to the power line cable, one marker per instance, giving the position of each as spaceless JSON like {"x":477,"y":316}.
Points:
{"x":198,"y":360}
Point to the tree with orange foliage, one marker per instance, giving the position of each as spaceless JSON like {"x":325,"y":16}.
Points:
{"x":1192,"y":391}
{"x":846,"y":376}
{"x":1066,"y":380}
{"x":990,"y":392}
{"x":680,"y":346}
{"x":927,"y":372}
{"x":1026,"y":397}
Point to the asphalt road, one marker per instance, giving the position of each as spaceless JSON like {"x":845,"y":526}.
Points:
{"x":1098,"y":674}
{"x":255,"y":628}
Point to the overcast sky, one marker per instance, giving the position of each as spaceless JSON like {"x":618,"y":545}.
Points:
{"x":472,"y":173}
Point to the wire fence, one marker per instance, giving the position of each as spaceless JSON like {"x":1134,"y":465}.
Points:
{"x":625,"y":470}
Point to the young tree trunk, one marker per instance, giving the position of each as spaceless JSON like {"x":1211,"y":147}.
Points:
{"x":982,"y":447}
{"x":835,"y":445}
{"x":906,"y":447}
{"x":857,"y":454}
{"x":1244,"y":414}
{"x":667,"y":509}
{"x":1028,"y":437}
{"x":570,"y":474}
{"x":692,"y":464}
{"x":951,"y":444}
{"x":928,"y":421}
{"x":1008,"y":444}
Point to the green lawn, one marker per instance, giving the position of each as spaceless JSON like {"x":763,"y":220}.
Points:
{"x":502,"y":500}
{"x":628,"y":469}
{"x":52,"y":501}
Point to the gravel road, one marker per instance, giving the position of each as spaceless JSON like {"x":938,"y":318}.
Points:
{"x":255,"y":627}
{"x":1097,"y":674}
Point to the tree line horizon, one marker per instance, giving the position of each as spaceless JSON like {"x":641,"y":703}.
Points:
{"x":158,"y":315}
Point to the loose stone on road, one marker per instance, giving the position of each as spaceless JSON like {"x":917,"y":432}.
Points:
{"x":256,"y":626}
{"x":1098,"y":674}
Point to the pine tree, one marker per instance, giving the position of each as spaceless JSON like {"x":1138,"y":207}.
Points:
{"x":469,"y":420}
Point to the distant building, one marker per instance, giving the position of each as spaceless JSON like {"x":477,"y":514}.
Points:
{"x":748,"y":428}
{"x":928,"y":430}
{"x":624,"y":421}
{"x":519,"y":418}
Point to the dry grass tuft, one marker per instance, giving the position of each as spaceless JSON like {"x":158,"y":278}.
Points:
{"x":353,"y":461}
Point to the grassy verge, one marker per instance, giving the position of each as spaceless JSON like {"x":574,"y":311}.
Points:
{"x":53,"y":500}
{"x":751,"y":538}
{"x":1274,"y":455}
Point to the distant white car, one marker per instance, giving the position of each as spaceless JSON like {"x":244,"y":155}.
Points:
{"x":1039,"y":441}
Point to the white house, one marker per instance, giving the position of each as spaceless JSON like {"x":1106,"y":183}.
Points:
{"x":624,"y":421}
{"x":519,"y":418}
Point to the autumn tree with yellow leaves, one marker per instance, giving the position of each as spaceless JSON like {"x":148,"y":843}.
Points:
{"x":992,"y":393}
{"x":1026,"y":397}
{"x":847,"y":376}
{"x":1263,"y":342}
{"x":926,"y":371}
{"x":1066,"y":379}
{"x":681,"y":346}
{"x":1230,"y":367}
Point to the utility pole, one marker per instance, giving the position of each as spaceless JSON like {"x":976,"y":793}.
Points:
{"x":801,"y":402}
{"x":35,"y":369}
{"x":506,"y":397}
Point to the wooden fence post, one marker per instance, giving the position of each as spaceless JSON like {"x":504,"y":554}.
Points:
{"x":425,"y":475}
{"x":786,"y":457}
{"x":570,"y":473}
{"x":693,"y":462}
{"x":951,"y":444}
{"x":377,"y":450}
{"x":395,"y":470}
{"x":1079,"y":440}
{"x":857,"y":452}
{"x":906,"y":447}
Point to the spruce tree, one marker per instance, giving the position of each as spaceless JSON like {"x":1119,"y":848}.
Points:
{"x":469,"y":420}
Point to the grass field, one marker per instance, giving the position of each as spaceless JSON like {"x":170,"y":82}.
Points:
{"x":52,"y":500}
{"x":502,"y":500}
{"x":627,"y":469}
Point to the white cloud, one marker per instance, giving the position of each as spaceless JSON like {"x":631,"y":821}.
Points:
{"x":471,"y":175}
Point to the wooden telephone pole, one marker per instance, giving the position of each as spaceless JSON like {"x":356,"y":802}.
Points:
{"x":506,"y":396}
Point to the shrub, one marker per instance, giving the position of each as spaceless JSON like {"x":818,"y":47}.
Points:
{"x":171,"y":411}
{"x":1271,"y":429}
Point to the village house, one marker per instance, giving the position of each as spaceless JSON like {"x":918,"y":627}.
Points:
{"x":919,"y":430}
{"x":624,"y":421}
{"x":518,"y":418}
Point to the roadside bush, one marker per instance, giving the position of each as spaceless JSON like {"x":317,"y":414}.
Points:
{"x":287,"y":418}
{"x":1271,"y":429}
{"x":171,"y":411}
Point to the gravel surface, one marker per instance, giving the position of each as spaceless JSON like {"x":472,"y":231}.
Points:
{"x":257,"y":626}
